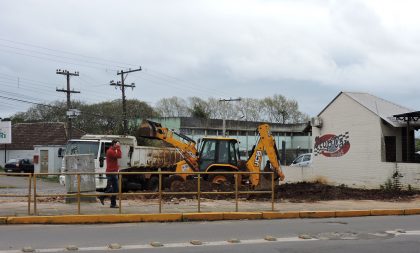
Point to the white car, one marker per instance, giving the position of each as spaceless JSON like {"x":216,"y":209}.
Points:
{"x":302,"y":160}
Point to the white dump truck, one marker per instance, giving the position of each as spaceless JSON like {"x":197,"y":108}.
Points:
{"x":134,"y":158}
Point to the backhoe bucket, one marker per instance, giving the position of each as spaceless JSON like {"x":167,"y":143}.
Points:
{"x":148,"y":129}
{"x":265,"y":183}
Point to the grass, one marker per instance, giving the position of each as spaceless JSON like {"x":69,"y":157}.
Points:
{"x":54,"y":179}
{"x":7,"y":187}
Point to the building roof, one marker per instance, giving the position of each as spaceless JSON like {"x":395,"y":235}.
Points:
{"x":242,"y":125}
{"x":379,"y":106}
{"x":26,"y":135}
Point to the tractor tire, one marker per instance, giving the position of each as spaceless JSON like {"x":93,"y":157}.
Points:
{"x":221,"y":179}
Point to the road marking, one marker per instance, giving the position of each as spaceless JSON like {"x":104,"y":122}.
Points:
{"x":395,"y":232}
{"x":188,"y":244}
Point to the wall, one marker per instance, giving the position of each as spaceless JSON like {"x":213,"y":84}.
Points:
{"x":360,"y":166}
{"x":54,"y":162}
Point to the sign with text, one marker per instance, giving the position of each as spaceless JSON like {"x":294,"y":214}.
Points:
{"x":5,"y":132}
{"x":331,"y":145}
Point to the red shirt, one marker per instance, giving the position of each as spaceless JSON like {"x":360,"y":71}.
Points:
{"x":112,"y":156}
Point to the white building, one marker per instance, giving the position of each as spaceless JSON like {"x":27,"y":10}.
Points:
{"x":363,"y":141}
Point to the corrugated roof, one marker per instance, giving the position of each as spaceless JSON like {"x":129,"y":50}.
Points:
{"x":379,"y":106}
{"x":26,"y":135}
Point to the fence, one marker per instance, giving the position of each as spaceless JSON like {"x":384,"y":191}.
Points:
{"x":32,"y":195}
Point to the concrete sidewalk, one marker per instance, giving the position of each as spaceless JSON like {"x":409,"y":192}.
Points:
{"x":20,"y":208}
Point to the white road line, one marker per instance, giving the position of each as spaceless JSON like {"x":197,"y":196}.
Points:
{"x":187,"y":244}
{"x":396,"y":232}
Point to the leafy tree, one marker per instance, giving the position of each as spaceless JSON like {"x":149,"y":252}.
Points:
{"x":199,"y":108}
{"x":100,"y":118}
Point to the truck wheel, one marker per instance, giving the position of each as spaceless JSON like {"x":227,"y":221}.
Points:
{"x":153,"y":184}
{"x":176,"y":183}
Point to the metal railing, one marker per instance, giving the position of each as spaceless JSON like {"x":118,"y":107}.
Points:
{"x":33,"y":196}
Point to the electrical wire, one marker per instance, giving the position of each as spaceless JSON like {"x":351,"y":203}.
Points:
{"x":70,"y":53}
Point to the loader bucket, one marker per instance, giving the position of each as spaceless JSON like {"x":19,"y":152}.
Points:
{"x":148,"y":129}
{"x":265,"y":183}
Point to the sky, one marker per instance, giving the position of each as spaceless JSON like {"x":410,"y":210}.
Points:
{"x":307,"y":50}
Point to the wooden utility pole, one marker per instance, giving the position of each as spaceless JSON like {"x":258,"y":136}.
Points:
{"x":68,"y":91}
{"x":224,"y":116}
{"x":122,"y":86}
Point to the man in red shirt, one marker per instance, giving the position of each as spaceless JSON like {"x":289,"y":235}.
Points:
{"x":112,"y":156}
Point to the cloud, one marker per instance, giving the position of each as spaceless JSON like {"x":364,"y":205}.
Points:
{"x":218,"y":48}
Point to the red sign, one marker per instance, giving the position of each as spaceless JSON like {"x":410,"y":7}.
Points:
{"x":331,"y":145}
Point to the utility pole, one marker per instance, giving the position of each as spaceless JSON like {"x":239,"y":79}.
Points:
{"x":224,"y":116}
{"x":68,"y":91}
{"x":122,"y":86}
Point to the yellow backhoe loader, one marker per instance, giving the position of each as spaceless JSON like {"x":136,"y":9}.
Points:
{"x":218,"y":154}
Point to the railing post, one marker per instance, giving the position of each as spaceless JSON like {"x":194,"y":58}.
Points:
{"x":199,"y":192}
{"x":29,"y":193}
{"x":160,"y":192}
{"x":78,"y":193}
{"x":119,"y":190}
{"x":272,"y":191}
{"x":35,"y":209}
{"x":236,"y":192}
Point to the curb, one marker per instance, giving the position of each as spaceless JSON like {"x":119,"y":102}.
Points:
{"x":209,"y":216}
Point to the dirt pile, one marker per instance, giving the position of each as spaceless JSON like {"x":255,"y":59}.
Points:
{"x":300,"y":192}
{"x":296,"y":192}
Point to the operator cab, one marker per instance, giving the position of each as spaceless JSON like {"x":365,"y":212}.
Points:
{"x":218,"y":151}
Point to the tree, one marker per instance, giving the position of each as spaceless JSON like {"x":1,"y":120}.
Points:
{"x":198,"y":108}
{"x":100,"y":118}
{"x":172,"y":107}
{"x":251,"y":109}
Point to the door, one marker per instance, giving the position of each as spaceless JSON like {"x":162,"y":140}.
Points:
{"x":390,"y":149}
{"x":43,"y":161}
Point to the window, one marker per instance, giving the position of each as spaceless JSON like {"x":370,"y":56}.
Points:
{"x":306,"y":158}
{"x":298,"y":160}
{"x":223,"y":152}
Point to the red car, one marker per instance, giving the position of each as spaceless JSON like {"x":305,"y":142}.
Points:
{"x":19,"y":166}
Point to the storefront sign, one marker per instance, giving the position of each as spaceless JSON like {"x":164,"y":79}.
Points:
{"x":5,"y":132}
{"x":331,"y":145}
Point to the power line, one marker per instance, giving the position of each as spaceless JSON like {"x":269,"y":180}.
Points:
{"x":57,"y":107}
{"x":67,"y":52}
{"x":55,"y":60}
{"x":54,"y":55}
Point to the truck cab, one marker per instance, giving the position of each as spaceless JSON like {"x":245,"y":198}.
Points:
{"x":97,"y":145}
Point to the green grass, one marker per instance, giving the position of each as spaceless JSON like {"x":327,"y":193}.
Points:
{"x":1,"y":169}
{"x":54,"y":179}
{"x":7,"y":187}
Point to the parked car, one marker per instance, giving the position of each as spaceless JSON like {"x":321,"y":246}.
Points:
{"x":19,"y":165}
{"x":302,"y":160}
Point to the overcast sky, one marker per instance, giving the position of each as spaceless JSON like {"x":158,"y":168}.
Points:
{"x":307,"y":50}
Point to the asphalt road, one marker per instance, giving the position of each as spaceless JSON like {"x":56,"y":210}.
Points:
{"x":19,"y":185}
{"x":364,"y":234}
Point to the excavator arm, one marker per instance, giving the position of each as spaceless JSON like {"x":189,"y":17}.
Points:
{"x":265,"y":145}
{"x":184,"y":144}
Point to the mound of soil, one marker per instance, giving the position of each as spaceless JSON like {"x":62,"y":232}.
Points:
{"x":303,"y":191}
{"x":296,"y":192}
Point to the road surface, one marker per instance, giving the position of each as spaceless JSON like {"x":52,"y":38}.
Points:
{"x":362,"y":234}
